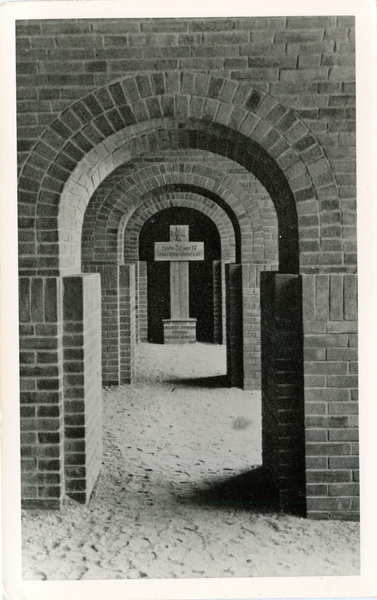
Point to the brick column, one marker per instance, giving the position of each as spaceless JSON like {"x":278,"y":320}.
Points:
{"x":283,"y":447}
{"x":223,"y":292}
{"x":142,"y":302}
{"x":109,"y":320}
{"x":41,"y":383}
{"x":110,"y":324}
{"x":251,"y":325}
{"x":82,"y":383}
{"x":331,"y":408}
{"x":118,"y":314}
{"x":127,"y":323}
{"x":234,"y":325}
{"x":217,"y":303}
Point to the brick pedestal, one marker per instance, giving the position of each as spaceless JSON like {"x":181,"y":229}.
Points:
{"x":179,"y":331}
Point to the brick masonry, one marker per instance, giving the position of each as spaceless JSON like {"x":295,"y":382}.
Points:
{"x":159,"y":201}
{"x":179,"y":331}
{"x":141,"y":309}
{"x":218,"y":303}
{"x":127,"y":323}
{"x":331,"y":382}
{"x":234,"y":329}
{"x":118,"y":318}
{"x":250,"y":119}
{"x":41,"y":396}
{"x":82,"y":384}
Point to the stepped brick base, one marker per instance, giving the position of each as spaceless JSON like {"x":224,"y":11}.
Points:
{"x":179,"y":331}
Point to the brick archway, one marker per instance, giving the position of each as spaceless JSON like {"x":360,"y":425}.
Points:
{"x":109,"y":209}
{"x":288,"y":232}
{"x":73,"y":157}
{"x":84,"y":145}
{"x":229,"y":241}
{"x":179,"y":199}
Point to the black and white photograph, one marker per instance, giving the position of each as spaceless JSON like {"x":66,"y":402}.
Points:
{"x":186,"y":192}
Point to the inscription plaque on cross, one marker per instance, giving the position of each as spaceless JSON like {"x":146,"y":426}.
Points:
{"x":179,"y":251}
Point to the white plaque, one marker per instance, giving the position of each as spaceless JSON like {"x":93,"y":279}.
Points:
{"x":179,"y":251}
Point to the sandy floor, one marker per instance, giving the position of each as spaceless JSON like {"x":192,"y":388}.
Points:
{"x":177,"y":449}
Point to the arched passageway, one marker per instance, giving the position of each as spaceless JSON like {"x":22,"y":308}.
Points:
{"x":86,"y":193}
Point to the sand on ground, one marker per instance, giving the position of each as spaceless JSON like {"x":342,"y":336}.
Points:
{"x":177,"y":444}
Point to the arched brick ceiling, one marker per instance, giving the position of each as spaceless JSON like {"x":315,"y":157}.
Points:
{"x":198,"y":202}
{"x":81,"y":148}
{"x":120,"y":194}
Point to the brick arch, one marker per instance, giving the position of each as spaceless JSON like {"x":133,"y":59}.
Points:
{"x":113,"y":205}
{"x":180,"y":199}
{"x":82,"y":146}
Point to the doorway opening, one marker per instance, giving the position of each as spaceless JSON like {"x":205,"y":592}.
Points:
{"x":201,"y":273}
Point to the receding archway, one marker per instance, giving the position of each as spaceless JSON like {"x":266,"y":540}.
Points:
{"x":201,"y":298}
{"x":251,"y":129}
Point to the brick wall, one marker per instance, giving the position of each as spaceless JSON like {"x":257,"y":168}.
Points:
{"x":159,"y":201}
{"x":112,"y":114}
{"x":275,"y":56}
{"x":331,"y":408}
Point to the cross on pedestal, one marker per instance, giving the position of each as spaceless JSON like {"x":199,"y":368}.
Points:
{"x":179,"y":329}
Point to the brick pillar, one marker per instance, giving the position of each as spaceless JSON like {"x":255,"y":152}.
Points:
{"x":283,"y":445}
{"x":217,"y":303}
{"x":82,"y":383}
{"x":142,"y":302}
{"x":110,"y":324}
{"x":109,"y":320}
{"x":127,"y":323}
{"x":234,"y":325}
{"x":41,"y":383}
{"x":118,"y":290}
{"x":223,"y":292}
{"x":251,"y":326}
{"x":331,"y":408}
